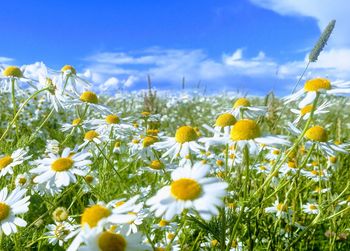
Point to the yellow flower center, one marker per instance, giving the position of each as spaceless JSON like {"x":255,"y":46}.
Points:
{"x":149,"y":140}
{"x":214,"y":243}
{"x":60,"y":214}
{"x":185,"y":189}
{"x":117,"y":144}
{"x":333,"y":159}
{"x":94,"y":214}
{"x":276,"y":152}
{"x":282,"y":207}
{"x":22,"y":180}
{"x":89,"y":178}
{"x":145,"y":114}
{"x":5,"y":161}
{"x":185,"y":134}
{"x":226,"y":119}
{"x":317,"y":133}
{"x":112,"y":119}
{"x":163,"y":223}
{"x":317,"y":84}
{"x":170,"y":236}
{"x":292,"y":164}
{"x":241,"y":102}
{"x":263,"y":168}
{"x":76,"y":122}
{"x":156,"y":165}
{"x":313,"y":207}
{"x":69,"y":68}
{"x":62,"y":164}
{"x":135,"y":141}
{"x":90,"y":135}
{"x":220,"y":162}
{"x":245,"y":129}
{"x":89,"y":97}
{"x":4,"y":211}
{"x":153,"y":132}
{"x":306,"y":109}
{"x":109,"y":241}
{"x":12,"y":71}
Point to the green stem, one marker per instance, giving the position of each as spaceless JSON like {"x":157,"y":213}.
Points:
{"x":41,"y":125}
{"x":20,"y":110}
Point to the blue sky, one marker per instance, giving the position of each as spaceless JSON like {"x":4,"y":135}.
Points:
{"x":255,"y":46}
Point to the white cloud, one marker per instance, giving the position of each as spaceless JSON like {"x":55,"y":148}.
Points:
{"x":322,"y":11}
{"x":256,"y":75}
{"x":5,"y":60}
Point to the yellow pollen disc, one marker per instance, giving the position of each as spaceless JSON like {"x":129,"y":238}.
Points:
{"x":282,"y":207}
{"x":185,"y":134}
{"x":291,"y":164}
{"x":90,"y":135}
{"x":315,"y":172}
{"x":117,"y":144}
{"x":226,"y":119}
{"x":313,"y":207}
{"x":4,"y":211}
{"x":145,"y":114}
{"x":94,"y":214}
{"x":317,"y":84}
{"x":276,"y":152}
{"x":135,"y":141}
{"x":317,"y":133}
{"x":112,"y":119}
{"x":170,"y":236}
{"x":109,"y":241}
{"x":76,"y":122}
{"x":219,"y":162}
{"x":89,"y":178}
{"x":62,"y":164}
{"x":245,"y":129}
{"x":149,"y":140}
{"x":263,"y":168}
{"x":241,"y":102}
{"x":185,"y":189}
{"x":89,"y":97}
{"x":153,"y":132}
{"x":5,"y":161}
{"x":214,"y":243}
{"x":156,"y":165}
{"x":333,"y":159}
{"x":163,"y":223}
{"x":306,"y":109}
{"x":69,"y":68}
{"x":22,"y":181}
{"x":12,"y":71}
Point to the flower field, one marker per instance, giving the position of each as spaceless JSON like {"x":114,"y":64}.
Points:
{"x":143,"y":171}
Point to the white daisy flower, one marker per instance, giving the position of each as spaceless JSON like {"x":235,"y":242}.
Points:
{"x":143,"y":148}
{"x":8,"y":162}
{"x":111,"y":123}
{"x":279,"y":209}
{"x":12,"y":74}
{"x":72,"y":81}
{"x":310,"y":208}
{"x":243,"y":107}
{"x":61,"y":170}
{"x":58,"y":232}
{"x":189,"y":189}
{"x":75,"y":124}
{"x":304,"y":112}
{"x":319,"y":136}
{"x":222,"y":128}
{"x":317,"y":85}
{"x":247,"y":132}
{"x":99,"y":239}
{"x":316,"y":174}
{"x":55,"y":91}
{"x":182,"y":144}
{"x":91,"y":180}
{"x":89,"y":99}
{"x":100,"y":216}
{"x":92,"y":137}
{"x":11,"y":205}
{"x":23,"y":180}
